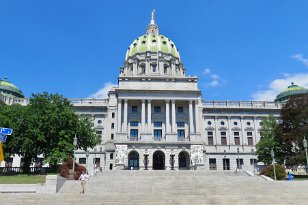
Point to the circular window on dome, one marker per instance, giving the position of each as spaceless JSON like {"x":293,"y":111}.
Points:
{"x":248,"y":123}
{"x":154,"y":41}
{"x":222,"y":123}
{"x":162,"y":37}
{"x":99,"y":122}
{"x":235,"y":123}
{"x":143,"y":42}
{"x":137,"y":39}
{"x":135,"y":44}
{"x":153,"y":36}
{"x":209,"y":122}
{"x":144,"y":36}
{"x":164,"y":42}
{"x":172,"y":45}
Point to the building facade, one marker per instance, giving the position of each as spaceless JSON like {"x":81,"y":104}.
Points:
{"x":156,"y":119}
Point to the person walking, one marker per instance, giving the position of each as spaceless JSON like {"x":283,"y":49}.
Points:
{"x":83,"y":177}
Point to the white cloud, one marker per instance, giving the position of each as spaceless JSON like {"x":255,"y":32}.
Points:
{"x":207,"y":71}
{"x":215,"y":76}
{"x":278,"y":85}
{"x":214,"y":83}
{"x":300,"y":57}
{"x":103,"y":92}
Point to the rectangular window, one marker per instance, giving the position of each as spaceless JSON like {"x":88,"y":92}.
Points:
{"x":212,"y":163}
{"x":82,"y":160}
{"x":134,"y":108}
{"x":249,"y":133}
{"x":180,"y":110}
{"x":157,"y":124}
{"x":226,"y":164}
{"x":157,"y":135}
{"x":157,"y":109}
{"x":180,"y":124}
{"x":223,"y":138}
{"x":154,"y":68}
{"x":134,"y":134}
{"x":237,"y":138}
{"x":239,"y":165}
{"x":112,"y":136}
{"x":181,"y":135}
{"x":112,"y":115}
{"x":134,"y":123}
{"x":250,"y":140}
{"x":210,"y":138}
{"x":99,"y":136}
{"x":111,"y":155}
{"x":253,"y":161}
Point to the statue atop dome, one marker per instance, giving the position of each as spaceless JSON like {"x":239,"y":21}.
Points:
{"x":152,"y":27}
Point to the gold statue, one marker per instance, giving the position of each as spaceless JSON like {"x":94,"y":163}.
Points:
{"x":153,"y":13}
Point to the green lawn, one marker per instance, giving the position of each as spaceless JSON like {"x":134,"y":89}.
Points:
{"x":22,"y":179}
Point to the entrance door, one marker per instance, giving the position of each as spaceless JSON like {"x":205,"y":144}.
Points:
{"x":158,"y":160}
{"x":226,"y":164}
{"x":183,"y":160}
{"x":133,"y":160}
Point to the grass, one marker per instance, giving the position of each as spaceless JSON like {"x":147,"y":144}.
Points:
{"x":22,"y":179}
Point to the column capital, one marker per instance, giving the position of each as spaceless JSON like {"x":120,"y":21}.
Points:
{"x":149,"y":100}
{"x":190,"y":101}
{"x":173,"y":101}
{"x":167,"y":101}
{"x":143,"y":101}
{"x":125,"y":100}
{"x":120,"y":100}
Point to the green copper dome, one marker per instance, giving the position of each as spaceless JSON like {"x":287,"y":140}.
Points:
{"x":10,"y":90}
{"x":152,"y":41}
{"x":290,"y":91}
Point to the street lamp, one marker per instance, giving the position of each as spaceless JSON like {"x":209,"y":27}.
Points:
{"x":273,"y":161}
{"x":254,"y":163}
{"x":172,"y":160}
{"x":87,"y":155}
{"x":75,"y":144}
{"x":146,"y":155}
{"x":305,"y":146}
{"x":238,"y":159}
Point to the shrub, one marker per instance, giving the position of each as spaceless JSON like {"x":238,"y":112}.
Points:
{"x":279,"y":169}
{"x":68,"y":165}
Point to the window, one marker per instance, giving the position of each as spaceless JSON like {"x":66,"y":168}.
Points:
{"x":82,"y":160}
{"x":99,"y":136}
{"x":253,"y":161}
{"x":209,"y":122}
{"x":157,"y":124}
{"x":226,"y":164}
{"x":134,"y":108}
{"x":134,"y":134}
{"x":223,"y":138}
{"x":212,"y":163}
{"x":112,"y":115}
{"x":237,"y":138}
{"x":157,"y":135}
{"x":154,"y":68}
{"x":133,"y":123}
{"x":157,"y":109}
{"x":239,"y":165}
{"x":222,"y":123}
{"x":250,"y":140}
{"x":248,"y":123}
{"x":110,"y":166}
{"x":112,"y":136}
{"x":235,"y":123}
{"x":181,"y":135}
{"x":99,"y":122}
{"x":249,"y":133}
{"x":111,"y":155}
{"x":180,"y":110}
{"x":180,"y":124}
{"x":112,"y":125}
{"x":210,"y":138}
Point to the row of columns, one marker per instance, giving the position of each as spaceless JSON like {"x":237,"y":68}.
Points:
{"x":173,"y":130}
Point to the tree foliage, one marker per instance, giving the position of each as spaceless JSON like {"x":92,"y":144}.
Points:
{"x":268,"y":141}
{"x":46,"y":126}
{"x":292,"y":129}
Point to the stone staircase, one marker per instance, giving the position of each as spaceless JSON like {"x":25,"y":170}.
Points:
{"x":171,"y":187}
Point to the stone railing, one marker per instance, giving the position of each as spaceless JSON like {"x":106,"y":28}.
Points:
{"x":241,"y":104}
{"x":88,"y":101}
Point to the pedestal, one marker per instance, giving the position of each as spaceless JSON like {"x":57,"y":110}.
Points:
{"x":120,"y":166}
{"x":171,"y":138}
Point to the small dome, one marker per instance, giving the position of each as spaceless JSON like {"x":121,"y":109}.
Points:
{"x":290,"y":91}
{"x":10,"y":90}
{"x":152,"y":43}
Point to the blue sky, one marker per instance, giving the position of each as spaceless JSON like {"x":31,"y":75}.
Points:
{"x":240,"y":49}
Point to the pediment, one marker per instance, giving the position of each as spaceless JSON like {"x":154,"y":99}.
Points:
{"x":223,"y":128}
{"x":236,"y":129}
{"x":210,"y":128}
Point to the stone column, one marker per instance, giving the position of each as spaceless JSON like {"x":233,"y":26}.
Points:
{"x":149,"y":116}
{"x":167,"y":117}
{"x":197,"y":117}
{"x":147,"y":67}
{"x":191,"y":122}
{"x":241,"y":133}
{"x":173,"y":117}
{"x":161,"y":67}
{"x":135,"y":68}
{"x":143,"y":115}
{"x":125,"y":116}
{"x":172,"y":69}
{"x":119,"y":114}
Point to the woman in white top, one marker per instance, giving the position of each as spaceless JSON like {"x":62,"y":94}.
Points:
{"x":83,"y":177}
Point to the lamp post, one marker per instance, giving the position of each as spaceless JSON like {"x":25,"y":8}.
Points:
{"x":172,"y":160}
{"x":87,"y":155}
{"x":225,"y":161}
{"x":306,"y":146}
{"x":254,"y":163}
{"x":273,"y":161}
{"x":75,"y":144}
{"x":238,"y":159}
{"x":146,"y":155}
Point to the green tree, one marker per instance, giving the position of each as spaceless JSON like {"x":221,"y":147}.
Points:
{"x":46,"y":126}
{"x":268,"y":141}
{"x":293,"y":128}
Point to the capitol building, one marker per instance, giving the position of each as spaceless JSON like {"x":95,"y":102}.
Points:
{"x":156,"y":118}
